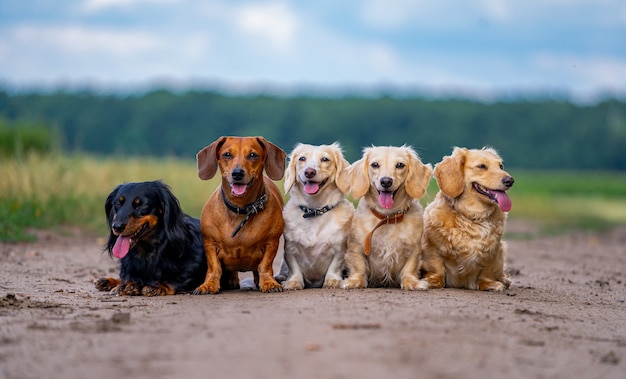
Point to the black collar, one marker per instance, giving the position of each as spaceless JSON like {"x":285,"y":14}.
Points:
{"x":248,"y":210}
{"x":313,"y":212}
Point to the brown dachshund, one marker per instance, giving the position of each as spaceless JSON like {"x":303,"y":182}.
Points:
{"x":242,"y":221}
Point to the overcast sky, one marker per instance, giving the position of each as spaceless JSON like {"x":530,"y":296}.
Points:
{"x":576,"y":47}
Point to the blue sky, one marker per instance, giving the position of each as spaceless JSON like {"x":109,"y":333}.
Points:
{"x":574,"y":47}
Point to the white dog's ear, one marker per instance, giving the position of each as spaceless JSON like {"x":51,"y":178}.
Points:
{"x":207,"y":159}
{"x":290,"y":172}
{"x":342,"y":178}
{"x":359,"y":177}
{"x":449,"y":173}
{"x":418,"y":177}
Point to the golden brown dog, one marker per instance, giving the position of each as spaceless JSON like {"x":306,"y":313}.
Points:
{"x":463,"y":226}
{"x":384,"y":243}
{"x":317,"y":217}
{"x":242,"y":221}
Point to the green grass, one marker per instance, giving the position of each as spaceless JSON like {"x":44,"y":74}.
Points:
{"x":52,"y":191}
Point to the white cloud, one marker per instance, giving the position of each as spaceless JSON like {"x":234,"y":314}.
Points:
{"x":275,"y":23}
{"x":95,"y":6}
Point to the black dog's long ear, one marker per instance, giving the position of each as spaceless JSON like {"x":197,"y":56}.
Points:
{"x":173,"y":218}
{"x":108,"y":207}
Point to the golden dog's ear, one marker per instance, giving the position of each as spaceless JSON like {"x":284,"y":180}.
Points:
{"x":274,"y":160}
{"x":418,"y":177}
{"x":449,"y":173}
{"x":207,"y":159}
{"x":342,"y":178}
{"x":359,"y":177}
{"x":290,"y":172}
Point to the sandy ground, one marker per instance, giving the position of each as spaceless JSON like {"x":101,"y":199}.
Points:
{"x":563,"y":317}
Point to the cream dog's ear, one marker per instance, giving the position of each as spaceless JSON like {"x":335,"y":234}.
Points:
{"x":290,"y":172}
{"x":418,"y":177}
{"x":342,"y":178}
{"x":359,"y":176}
{"x":449,"y":173}
{"x":207,"y":159}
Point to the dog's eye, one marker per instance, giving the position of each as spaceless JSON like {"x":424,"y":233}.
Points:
{"x":482,"y":166}
{"x":302,"y":159}
{"x":253,"y":156}
{"x":400,"y":165}
{"x":137,"y":203}
{"x":227,"y":155}
{"x":501,"y":166}
{"x":375,"y":165}
{"x":325,"y":159}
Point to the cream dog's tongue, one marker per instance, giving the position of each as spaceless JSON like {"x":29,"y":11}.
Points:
{"x":385,"y":199}
{"x":311,"y":188}
{"x":504,"y":201}
{"x":122,"y":245}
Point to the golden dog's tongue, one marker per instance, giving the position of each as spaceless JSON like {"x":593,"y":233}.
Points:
{"x":311,"y":188}
{"x":122,"y":245}
{"x":504,"y":201}
{"x":239,"y":189}
{"x":385,"y":199}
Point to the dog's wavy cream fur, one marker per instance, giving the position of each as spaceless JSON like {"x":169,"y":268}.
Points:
{"x":395,"y":249}
{"x":315,"y":246}
{"x":462,"y":244}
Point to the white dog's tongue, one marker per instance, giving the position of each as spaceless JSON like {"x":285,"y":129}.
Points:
{"x":504,"y":201}
{"x":122,"y":245}
{"x":311,"y":188}
{"x":239,"y":189}
{"x":385,"y":199}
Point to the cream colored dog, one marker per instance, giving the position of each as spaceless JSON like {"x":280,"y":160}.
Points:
{"x":463,"y":226}
{"x":384,"y":244}
{"x":317,"y":217}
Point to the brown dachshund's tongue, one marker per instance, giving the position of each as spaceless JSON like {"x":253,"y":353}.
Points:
{"x":504,"y":201}
{"x":239,"y":189}
{"x":311,"y":188}
{"x":385,"y":199}
{"x":122,"y":245}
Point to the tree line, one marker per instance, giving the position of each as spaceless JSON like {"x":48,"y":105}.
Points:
{"x":532,"y":134}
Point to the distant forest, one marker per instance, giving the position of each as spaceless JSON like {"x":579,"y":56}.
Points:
{"x":532,"y":134}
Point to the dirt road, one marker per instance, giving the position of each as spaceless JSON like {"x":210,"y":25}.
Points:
{"x":564,"y":317}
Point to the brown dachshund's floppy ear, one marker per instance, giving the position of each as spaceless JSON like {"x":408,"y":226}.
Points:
{"x":359,"y":176}
{"x":418,"y":177}
{"x":275,"y":159}
{"x":449,"y":173}
{"x":290,"y":172}
{"x":342,"y":179}
{"x":207,"y":159}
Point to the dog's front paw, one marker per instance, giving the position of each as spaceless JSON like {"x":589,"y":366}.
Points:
{"x":159,"y":290}
{"x":270,"y":285}
{"x":422,"y":285}
{"x":410,"y":284}
{"x":491,"y":285}
{"x":205,"y":288}
{"x":332,"y":283}
{"x":291,"y":285}
{"x":349,"y":284}
{"x":127,"y":289}
{"x":106,"y":284}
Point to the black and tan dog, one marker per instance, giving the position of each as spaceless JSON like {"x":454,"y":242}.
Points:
{"x":242,"y":221}
{"x":159,"y":247}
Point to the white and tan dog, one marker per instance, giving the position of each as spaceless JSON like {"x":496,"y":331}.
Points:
{"x":384,"y":245}
{"x":317,"y":217}
{"x":463,"y":226}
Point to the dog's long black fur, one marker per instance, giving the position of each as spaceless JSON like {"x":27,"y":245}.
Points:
{"x":164,"y":251}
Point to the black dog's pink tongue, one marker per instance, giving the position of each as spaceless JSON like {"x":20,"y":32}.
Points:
{"x":385,"y":199}
{"x":504,"y":201}
{"x":122,"y":245}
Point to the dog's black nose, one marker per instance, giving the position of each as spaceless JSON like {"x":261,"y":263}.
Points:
{"x":386,"y":182}
{"x":238,"y":173}
{"x":508,"y":181}
{"x":310,"y":173}
{"x":118,"y":227}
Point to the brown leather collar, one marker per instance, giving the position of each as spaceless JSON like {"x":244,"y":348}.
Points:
{"x":384,"y":219}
